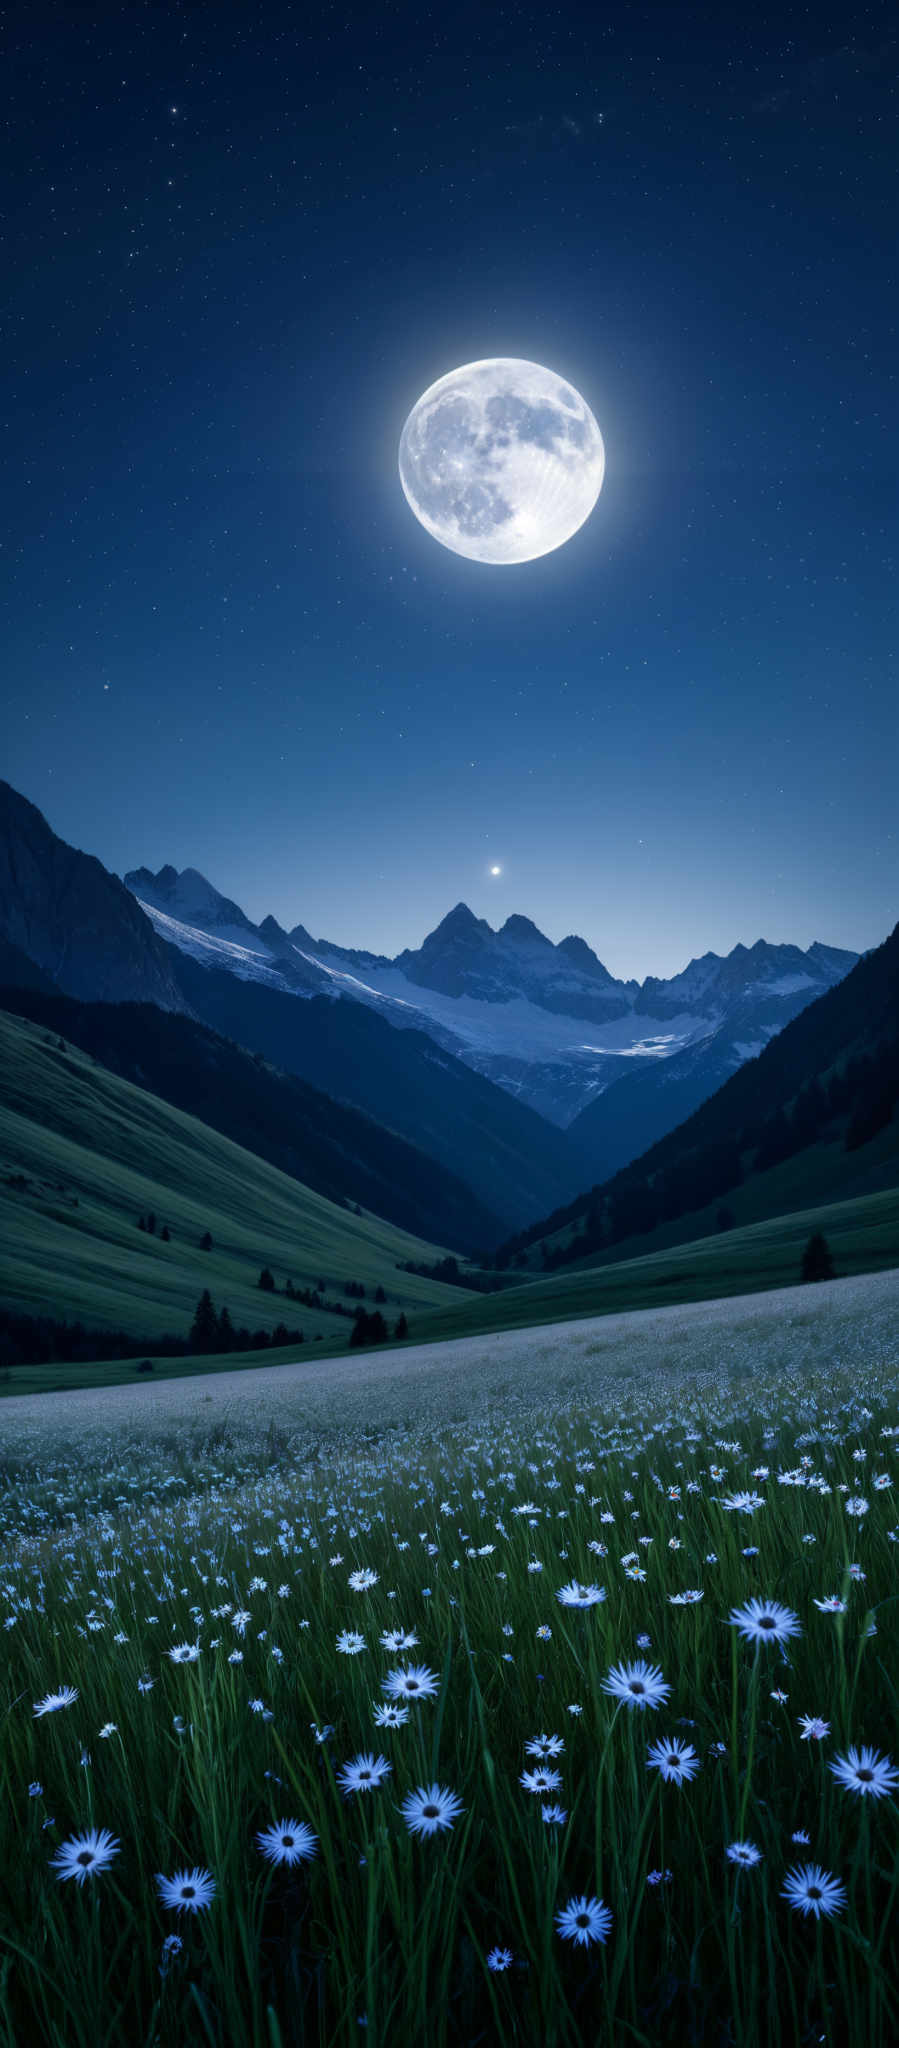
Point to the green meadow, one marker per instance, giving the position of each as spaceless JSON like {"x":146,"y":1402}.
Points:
{"x":573,"y":1721}
{"x":83,"y":1154}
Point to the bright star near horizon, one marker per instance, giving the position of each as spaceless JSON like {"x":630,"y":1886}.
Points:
{"x":496,"y":871}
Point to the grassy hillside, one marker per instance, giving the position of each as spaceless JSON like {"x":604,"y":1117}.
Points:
{"x":327,"y":1145}
{"x":863,"y":1235}
{"x":84,"y":1153}
{"x":822,"y":1175}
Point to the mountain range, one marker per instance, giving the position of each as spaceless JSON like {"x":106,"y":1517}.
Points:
{"x":524,"y":1068}
{"x":811,"y":1120}
{"x":614,"y":1063}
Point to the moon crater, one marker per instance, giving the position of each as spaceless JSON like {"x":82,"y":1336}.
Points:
{"x":501,"y":460}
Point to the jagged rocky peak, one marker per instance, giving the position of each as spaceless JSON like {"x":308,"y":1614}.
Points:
{"x":583,"y":957}
{"x":273,"y":933}
{"x":522,"y":931}
{"x":165,"y":882}
{"x":460,"y":922}
{"x":187,"y":896}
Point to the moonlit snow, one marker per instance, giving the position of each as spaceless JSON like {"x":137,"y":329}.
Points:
{"x":501,"y":460}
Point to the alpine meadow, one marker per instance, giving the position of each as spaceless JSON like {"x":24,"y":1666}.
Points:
{"x":449,"y":1028}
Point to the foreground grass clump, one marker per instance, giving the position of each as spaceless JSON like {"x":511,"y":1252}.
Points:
{"x":574,"y":1727}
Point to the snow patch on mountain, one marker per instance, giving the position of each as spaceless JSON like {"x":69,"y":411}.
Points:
{"x":224,"y":948}
{"x":547,"y":1023}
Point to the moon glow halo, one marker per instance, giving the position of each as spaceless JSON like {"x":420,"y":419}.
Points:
{"x":501,"y":460}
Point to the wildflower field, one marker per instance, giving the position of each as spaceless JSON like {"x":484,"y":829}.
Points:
{"x":575,"y":1721}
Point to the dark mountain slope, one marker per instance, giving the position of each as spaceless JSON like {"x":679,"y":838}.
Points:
{"x":505,"y":1151}
{"x":17,"y":971}
{"x":834,"y":1067}
{"x":72,"y":919}
{"x":327,"y":1145}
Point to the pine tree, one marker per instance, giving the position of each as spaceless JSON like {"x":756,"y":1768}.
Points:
{"x":266,"y":1280}
{"x":166,"y":1234}
{"x":817,"y":1259}
{"x":368,"y":1329}
{"x":401,"y":1327}
{"x":226,"y":1333}
{"x":380,"y":1295}
{"x":204,"y":1330}
{"x":151,"y":1223}
{"x":206,"y":1242}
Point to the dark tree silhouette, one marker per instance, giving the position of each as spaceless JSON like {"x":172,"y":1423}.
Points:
{"x":266,"y":1280}
{"x":204,"y":1330}
{"x":817,"y":1259}
{"x":206,"y":1242}
{"x":401,"y":1327}
{"x":369,"y":1329}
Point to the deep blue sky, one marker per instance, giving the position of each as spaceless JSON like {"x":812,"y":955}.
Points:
{"x":243,"y":242}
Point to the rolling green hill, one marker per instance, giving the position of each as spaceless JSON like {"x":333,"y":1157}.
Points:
{"x":83,"y":1153}
{"x":821,"y":1175}
{"x":327,"y":1145}
{"x":863,"y":1235}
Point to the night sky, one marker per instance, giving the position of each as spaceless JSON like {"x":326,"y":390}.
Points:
{"x":242,"y":243}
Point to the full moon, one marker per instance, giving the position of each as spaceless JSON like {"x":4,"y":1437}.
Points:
{"x":501,"y":460}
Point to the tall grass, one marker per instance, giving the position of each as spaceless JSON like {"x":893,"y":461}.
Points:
{"x":384,"y":1935}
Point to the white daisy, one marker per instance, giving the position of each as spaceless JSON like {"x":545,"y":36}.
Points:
{"x":287,"y":1841}
{"x":540,"y":1781}
{"x":386,"y":1715}
{"x":677,"y":1761}
{"x":84,"y":1855}
{"x":584,"y":1921}
{"x":364,"y":1774}
{"x":744,"y":1854}
{"x":53,"y":1701}
{"x":395,"y":1639}
{"x":576,"y":1595}
{"x":764,"y":1621}
{"x":810,"y":1889}
{"x":866,"y":1772}
{"x":189,"y":1891}
{"x":410,"y":1682}
{"x":430,"y":1809}
{"x":544,"y":1745}
{"x":637,"y":1685}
